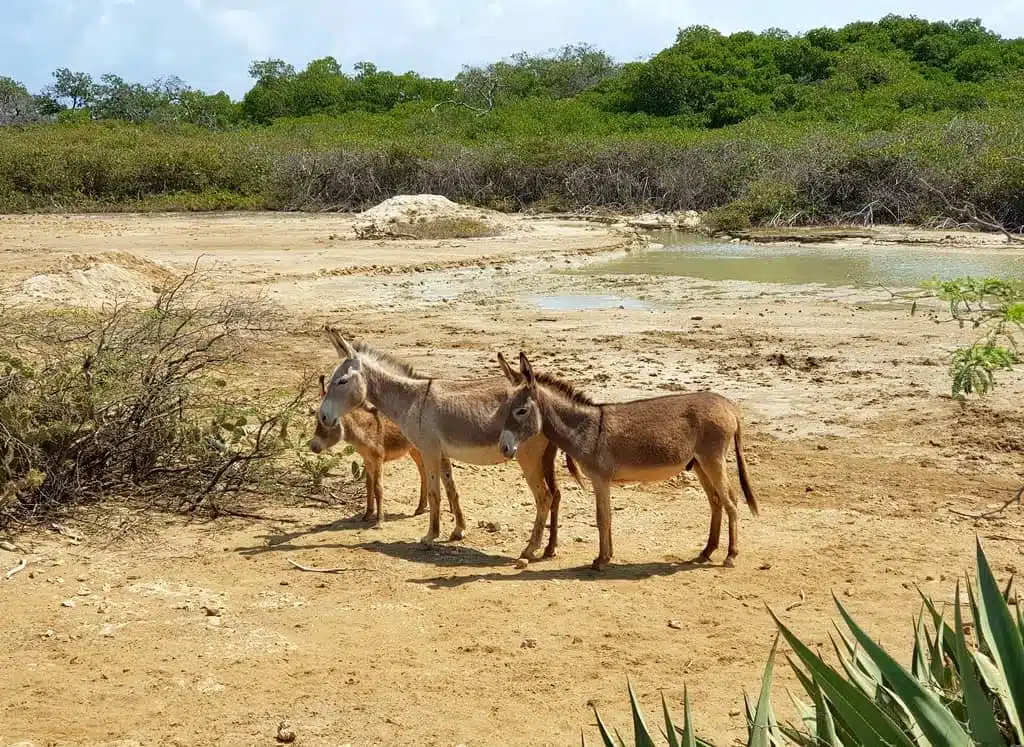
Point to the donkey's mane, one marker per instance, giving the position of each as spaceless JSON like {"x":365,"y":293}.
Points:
{"x":389,"y":361}
{"x":565,"y":388}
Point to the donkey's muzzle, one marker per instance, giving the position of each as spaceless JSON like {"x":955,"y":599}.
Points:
{"x":315,"y":446}
{"x":508,"y":445}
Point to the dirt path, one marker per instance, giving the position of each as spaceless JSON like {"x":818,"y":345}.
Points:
{"x":203,"y":634}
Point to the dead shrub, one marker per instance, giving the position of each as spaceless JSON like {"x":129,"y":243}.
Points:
{"x":134,"y":404}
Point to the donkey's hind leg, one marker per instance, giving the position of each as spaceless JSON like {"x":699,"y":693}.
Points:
{"x":371,"y":473}
{"x":717,"y":473}
{"x":715,"y":530}
{"x":453,"y":499}
{"x":432,"y":464}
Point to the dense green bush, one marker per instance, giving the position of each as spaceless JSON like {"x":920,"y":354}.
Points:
{"x":900,"y":120}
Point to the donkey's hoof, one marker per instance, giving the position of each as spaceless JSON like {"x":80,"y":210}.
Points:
{"x":428,"y":540}
{"x":369,"y":516}
{"x":457,"y":534}
{"x":600,"y":563}
{"x":704,"y":557}
{"x":529,"y":554}
{"x":522,"y":563}
{"x":729,"y":562}
{"x":420,"y":510}
{"x":550,"y":552}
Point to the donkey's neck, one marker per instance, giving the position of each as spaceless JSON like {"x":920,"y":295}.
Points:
{"x":391,"y":393}
{"x":571,"y":426}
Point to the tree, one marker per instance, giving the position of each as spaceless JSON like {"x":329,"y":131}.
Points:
{"x":17,"y":105}
{"x":213,"y":111}
{"x":266,"y":71}
{"x":71,"y":90}
{"x":116,"y":98}
{"x":271,"y":97}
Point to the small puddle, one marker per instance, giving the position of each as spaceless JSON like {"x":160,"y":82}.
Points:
{"x":893,"y":266}
{"x":586,"y":303}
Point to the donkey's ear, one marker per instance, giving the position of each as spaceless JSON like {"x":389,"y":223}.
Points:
{"x":527,"y":370}
{"x":323,"y":385}
{"x":340,"y":344}
{"x":509,"y":372}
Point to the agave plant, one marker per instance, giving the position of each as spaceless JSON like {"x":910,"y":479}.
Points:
{"x":953,"y":695}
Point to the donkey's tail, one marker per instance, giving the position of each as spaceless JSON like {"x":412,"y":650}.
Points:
{"x":741,"y":466}
{"x":573,"y":469}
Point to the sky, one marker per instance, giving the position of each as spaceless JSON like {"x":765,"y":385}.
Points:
{"x":210,"y":43}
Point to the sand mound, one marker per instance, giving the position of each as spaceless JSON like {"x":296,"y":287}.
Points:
{"x":93,"y":281}
{"x":404,"y":209}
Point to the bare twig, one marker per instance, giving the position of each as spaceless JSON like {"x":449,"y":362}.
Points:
{"x":973,"y":217}
{"x":1017,"y":497}
{"x":794,"y":605}
{"x":16,"y":569}
{"x":310,"y":569}
{"x":257,"y":517}
{"x":1004,"y":538}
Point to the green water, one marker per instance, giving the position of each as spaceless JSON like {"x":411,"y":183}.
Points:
{"x":890,"y":266}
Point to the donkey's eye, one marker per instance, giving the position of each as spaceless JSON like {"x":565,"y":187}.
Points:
{"x":521,"y":412}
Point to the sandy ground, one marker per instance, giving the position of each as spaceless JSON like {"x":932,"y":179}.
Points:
{"x":202,"y":634}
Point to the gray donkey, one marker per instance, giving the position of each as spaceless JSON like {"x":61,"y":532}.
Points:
{"x":443,"y":418}
{"x":645,"y":440}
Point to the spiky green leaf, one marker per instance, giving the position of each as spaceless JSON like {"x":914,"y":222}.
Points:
{"x":1005,"y":643}
{"x":641,"y":734}
{"x":670,"y":728}
{"x":934,"y":719}
{"x":980,"y":717}
{"x":689,"y":737}
{"x":867,"y":722}
{"x":606,"y":737}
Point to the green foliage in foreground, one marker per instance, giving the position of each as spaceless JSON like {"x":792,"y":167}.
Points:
{"x":994,"y":306}
{"x":956,"y":693}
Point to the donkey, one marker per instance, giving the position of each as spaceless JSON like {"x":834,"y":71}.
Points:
{"x":645,"y":440}
{"x":378,"y":440}
{"x":443,"y":418}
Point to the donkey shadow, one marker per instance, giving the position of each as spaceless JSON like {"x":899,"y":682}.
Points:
{"x":280,"y":541}
{"x":615,"y":572}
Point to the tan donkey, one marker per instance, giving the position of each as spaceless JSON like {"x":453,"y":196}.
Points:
{"x":377,"y":440}
{"x":646,"y":440}
{"x":443,"y":418}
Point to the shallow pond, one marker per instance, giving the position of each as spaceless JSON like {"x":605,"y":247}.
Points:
{"x":890,"y":266}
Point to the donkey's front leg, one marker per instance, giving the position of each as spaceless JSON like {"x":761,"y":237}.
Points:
{"x":603,"y":494}
{"x":453,"y":499}
{"x":530,"y":458}
{"x":432,"y":464}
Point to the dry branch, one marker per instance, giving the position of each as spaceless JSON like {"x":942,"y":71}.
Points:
{"x":1017,"y":498}
{"x":22,"y":564}
{"x":974,"y":217}
{"x":310,"y":569}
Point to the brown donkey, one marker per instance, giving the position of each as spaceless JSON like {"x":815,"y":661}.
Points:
{"x":646,"y":440}
{"x":443,"y":418}
{"x":377,"y":440}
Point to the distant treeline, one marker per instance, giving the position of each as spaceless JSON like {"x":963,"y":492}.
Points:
{"x":775,"y":126}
